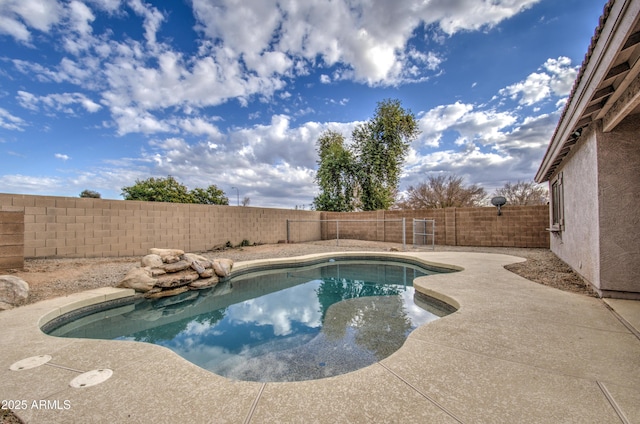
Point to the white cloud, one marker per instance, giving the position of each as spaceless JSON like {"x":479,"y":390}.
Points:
{"x":153,"y":18}
{"x":532,"y":90}
{"x":199,"y":126}
{"x":68,"y":70}
{"x":131,"y":120}
{"x":555,"y":77}
{"x":493,"y":146}
{"x":563,"y":75}
{"x":367,"y":40}
{"x":271,"y":163}
{"x":9,"y":121}
{"x":439,"y":119}
{"x":106,"y":5}
{"x":17,"y":16}
{"x":470,"y":15}
{"x":62,"y":157}
{"x":204,"y":82}
{"x":14,"y":28}
{"x":268,"y":64}
{"x":18,"y":183}
{"x":430,"y":59}
{"x":64,"y":102}
{"x":80,"y":19}
{"x":487,"y":127}
{"x":341,"y":102}
{"x":364,"y":42}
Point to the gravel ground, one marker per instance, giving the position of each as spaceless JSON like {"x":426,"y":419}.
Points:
{"x":49,"y":278}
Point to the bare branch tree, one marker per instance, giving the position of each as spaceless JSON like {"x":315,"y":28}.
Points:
{"x":524,"y":193}
{"x":443,"y":192}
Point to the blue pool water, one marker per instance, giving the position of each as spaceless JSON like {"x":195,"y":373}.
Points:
{"x":280,"y":325}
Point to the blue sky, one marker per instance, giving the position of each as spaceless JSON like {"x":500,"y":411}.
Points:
{"x":95,"y":94}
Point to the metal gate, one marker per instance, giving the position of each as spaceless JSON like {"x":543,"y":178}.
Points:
{"x":423,"y":229}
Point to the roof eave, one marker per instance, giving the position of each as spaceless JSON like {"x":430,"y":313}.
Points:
{"x":617,"y":21}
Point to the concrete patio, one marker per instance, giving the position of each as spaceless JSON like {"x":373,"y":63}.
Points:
{"x":515,"y":351}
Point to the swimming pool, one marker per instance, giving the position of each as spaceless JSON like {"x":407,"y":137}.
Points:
{"x":283,"y":324}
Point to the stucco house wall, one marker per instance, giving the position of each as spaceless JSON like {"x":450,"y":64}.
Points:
{"x":601,"y":187}
{"x":619,"y":205}
{"x":578,"y":244}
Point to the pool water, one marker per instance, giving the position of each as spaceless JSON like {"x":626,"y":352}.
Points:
{"x":280,"y":325}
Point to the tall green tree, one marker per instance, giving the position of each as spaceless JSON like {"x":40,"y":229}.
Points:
{"x":381,"y":145}
{"x":365,"y":176}
{"x":335,"y":175}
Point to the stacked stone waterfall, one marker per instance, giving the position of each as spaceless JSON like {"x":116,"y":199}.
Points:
{"x":168,"y":272}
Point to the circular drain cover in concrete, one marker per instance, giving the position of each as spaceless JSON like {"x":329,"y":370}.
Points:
{"x":28,"y":363}
{"x":91,"y":378}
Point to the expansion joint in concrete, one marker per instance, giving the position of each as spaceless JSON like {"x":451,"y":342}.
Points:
{"x":255,"y":404}
{"x":424,"y":395}
{"x":613,"y":403}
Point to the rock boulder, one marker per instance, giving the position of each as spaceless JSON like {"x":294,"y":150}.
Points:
{"x":139,"y":279}
{"x":166,"y":253}
{"x":14,"y":291}
{"x":222,"y":267}
{"x":152,"y":261}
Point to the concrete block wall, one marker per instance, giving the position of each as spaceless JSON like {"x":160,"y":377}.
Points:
{"x":359,"y":225}
{"x":11,"y":240}
{"x":78,"y":227}
{"x":518,"y":226}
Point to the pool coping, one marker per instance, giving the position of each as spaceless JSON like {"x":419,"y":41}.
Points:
{"x":514,"y":351}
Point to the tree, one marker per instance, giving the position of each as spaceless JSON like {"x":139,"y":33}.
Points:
{"x":443,"y":192}
{"x":245,"y":201}
{"x":365,"y":176}
{"x":170,"y":190}
{"x":211,"y":196}
{"x":381,"y":145}
{"x":523,"y":193}
{"x":158,"y":190}
{"x":335,"y":174}
{"x":90,"y":194}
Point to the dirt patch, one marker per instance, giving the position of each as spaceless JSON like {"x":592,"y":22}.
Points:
{"x":49,"y":278}
{"x":552,"y":272}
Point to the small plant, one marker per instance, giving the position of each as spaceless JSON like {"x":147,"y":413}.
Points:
{"x":228,"y":244}
{"x":244,"y":243}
